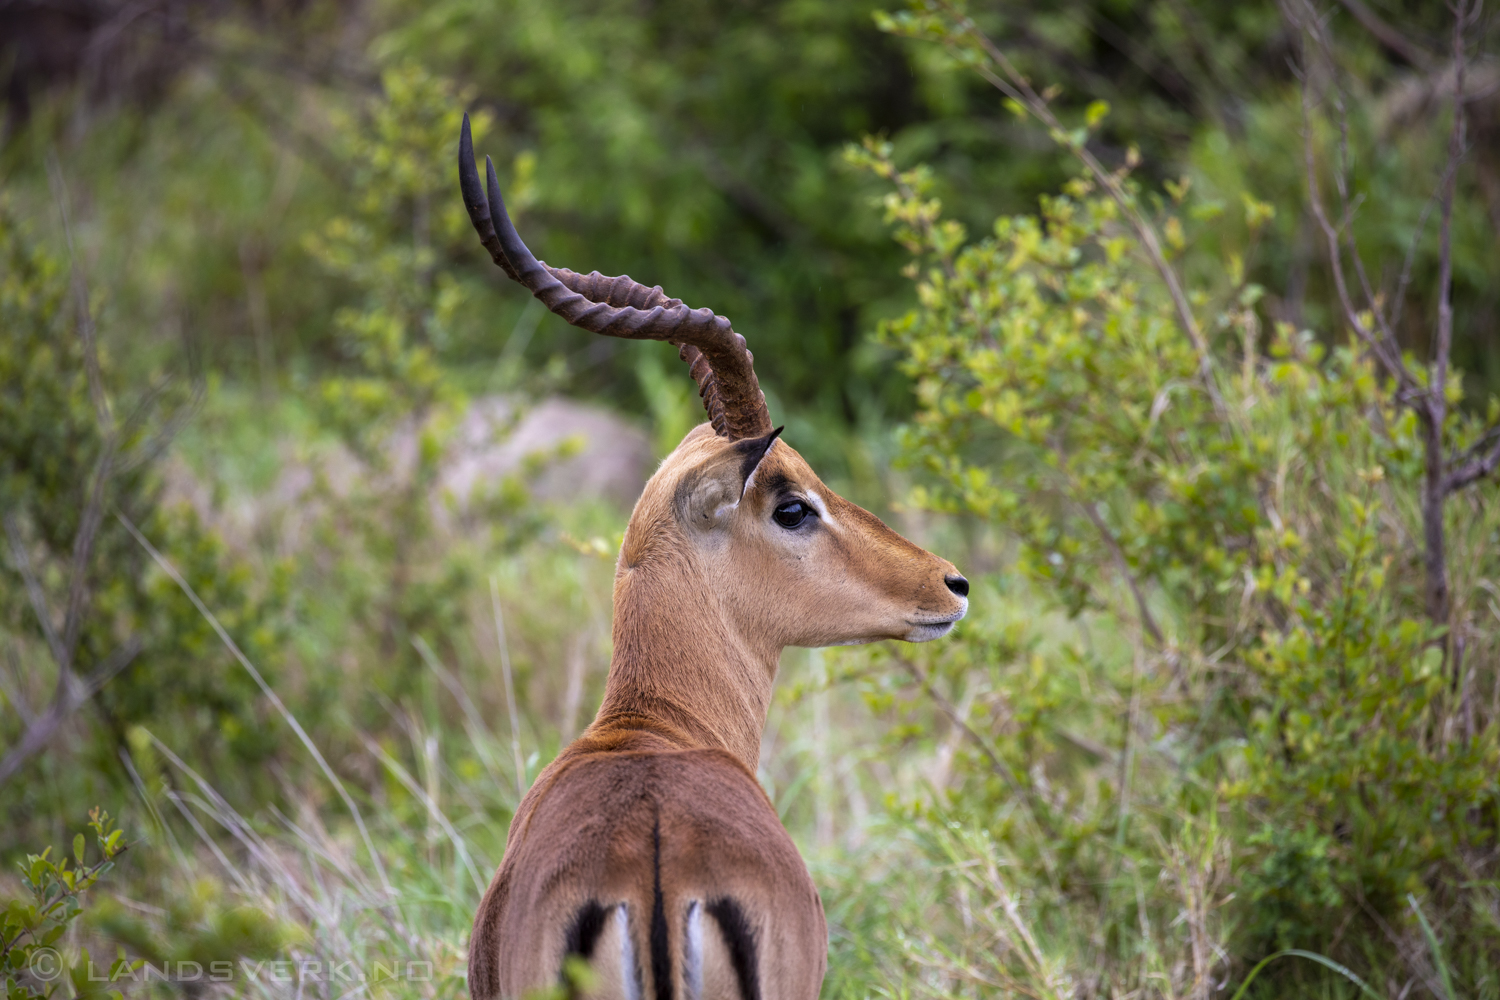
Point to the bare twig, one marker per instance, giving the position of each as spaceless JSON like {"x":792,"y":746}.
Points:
{"x":45,"y":726}
{"x":1399,"y":302}
{"x":86,"y":330}
{"x":93,"y":513}
{"x":1445,"y":231}
{"x":11,"y":685}
{"x":83,"y":550}
{"x":1387,"y":35}
{"x":1435,"y":491}
{"x":1147,"y":621}
{"x":947,"y":707}
{"x":22,"y":560}
{"x":70,"y":693}
{"x":152,"y":446}
{"x":1382,"y":346}
{"x":1477,"y":463}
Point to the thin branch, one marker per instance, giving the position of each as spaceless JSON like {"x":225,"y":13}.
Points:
{"x":1428,"y":401}
{"x":34,"y":590}
{"x":1387,"y":35}
{"x":947,"y":707}
{"x":1317,"y":30}
{"x":1479,"y":462}
{"x":1439,"y":377}
{"x":11,"y":685}
{"x":70,"y":693}
{"x":1399,"y":304}
{"x":93,"y":512}
{"x":1386,"y":352}
{"x":1166,"y":75}
{"x":152,"y":447}
{"x":1147,"y":621}
{"x":86,"y":331}
{"x":46,"y":726}
{"x":83,"y":550}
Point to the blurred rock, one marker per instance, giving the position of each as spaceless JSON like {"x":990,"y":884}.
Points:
{"x":565,"y":451}
{"x":600,"y":455}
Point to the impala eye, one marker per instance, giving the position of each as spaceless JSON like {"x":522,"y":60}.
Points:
{"x":792,"y":513}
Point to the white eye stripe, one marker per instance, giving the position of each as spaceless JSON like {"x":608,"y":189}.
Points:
{"x":818,"y":505}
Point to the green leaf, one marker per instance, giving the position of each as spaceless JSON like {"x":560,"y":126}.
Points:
{"x":78,"y":847}
{"x":1434,"y":947}
{"x":1322,"y":960}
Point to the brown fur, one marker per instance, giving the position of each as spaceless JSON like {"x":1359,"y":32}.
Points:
{"x":708,"y":591}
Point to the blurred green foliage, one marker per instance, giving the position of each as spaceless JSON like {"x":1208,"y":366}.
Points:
{"x":1297,"y":751}
{"x":1197,"y":713}
{"x":702,"y":153}
{"x":78,"y":445}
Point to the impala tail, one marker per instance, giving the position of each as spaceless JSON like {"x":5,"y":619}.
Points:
{"x":656,"y":948}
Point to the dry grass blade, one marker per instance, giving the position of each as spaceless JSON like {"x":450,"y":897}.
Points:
{"x":510,"y":690}
{"x":479,"y":733}
{"x":291,"y":720}
{"x":401,"y":775}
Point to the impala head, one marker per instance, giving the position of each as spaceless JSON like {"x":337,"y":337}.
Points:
{"x":733,"y":508}
{"x":790,"y":561}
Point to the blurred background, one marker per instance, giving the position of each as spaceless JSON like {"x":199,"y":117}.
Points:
{"x":253,"y":351}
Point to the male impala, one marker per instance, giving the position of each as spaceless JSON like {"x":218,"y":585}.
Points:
{"x":647,"y":848}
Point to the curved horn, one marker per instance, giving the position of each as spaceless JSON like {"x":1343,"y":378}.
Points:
{"x":720,"y":362}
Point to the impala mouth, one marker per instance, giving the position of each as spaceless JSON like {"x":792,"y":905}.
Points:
{"x":934,"y":628}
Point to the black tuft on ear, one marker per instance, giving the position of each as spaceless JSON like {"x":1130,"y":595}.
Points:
{"x":753,"y":450}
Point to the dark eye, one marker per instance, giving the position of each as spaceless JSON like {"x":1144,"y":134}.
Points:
{"x":792,"y":513}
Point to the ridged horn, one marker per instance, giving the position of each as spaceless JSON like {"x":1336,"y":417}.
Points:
{"x":718,"y":359}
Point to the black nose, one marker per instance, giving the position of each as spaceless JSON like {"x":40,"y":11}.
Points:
{"x":957,"y":584}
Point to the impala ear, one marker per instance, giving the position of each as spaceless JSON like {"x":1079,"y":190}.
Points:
{"x":752,"y":450}
{"x":704,"y":499}
{"x":706,"y":495}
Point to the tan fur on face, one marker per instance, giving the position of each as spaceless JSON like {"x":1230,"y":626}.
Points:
{"x":844,"y":577}
{"x":708,"y":590}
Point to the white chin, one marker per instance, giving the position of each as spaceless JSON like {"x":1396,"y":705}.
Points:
{"x":858,"y":642}
{"x":927,"y":633}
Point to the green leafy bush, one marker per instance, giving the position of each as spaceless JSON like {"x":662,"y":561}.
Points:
{"x":1223,"y":520}
{"x":80,"y":448}
{"x":33,"y":925}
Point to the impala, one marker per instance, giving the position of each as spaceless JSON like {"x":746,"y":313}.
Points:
{"x":647,"y":848}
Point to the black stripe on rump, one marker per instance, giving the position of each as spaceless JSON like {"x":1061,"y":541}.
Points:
{"x":661,"y":959}
{"x":740,"y":938}
{"x":583,"y":932}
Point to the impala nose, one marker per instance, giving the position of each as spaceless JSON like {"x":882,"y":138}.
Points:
{"x":957,"y":584}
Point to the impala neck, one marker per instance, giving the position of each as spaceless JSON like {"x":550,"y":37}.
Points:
{"x":680,"y":662}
